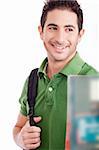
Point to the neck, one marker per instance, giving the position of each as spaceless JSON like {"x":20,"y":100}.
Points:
{"x":55,"y":67}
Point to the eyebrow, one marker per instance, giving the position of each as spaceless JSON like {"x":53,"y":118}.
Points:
{"x":67,"y":26}
{"x":52,"y":24}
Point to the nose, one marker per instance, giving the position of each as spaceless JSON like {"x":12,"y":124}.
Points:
{"x":61,"y":36}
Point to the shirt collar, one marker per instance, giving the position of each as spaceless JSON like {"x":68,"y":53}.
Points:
{"x":74,"y":66}
{"x":42,"y":69}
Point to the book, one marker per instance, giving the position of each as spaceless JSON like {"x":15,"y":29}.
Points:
{"x":82,"y":113}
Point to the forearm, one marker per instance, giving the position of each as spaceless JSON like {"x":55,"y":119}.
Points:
{"x":17,"y":137}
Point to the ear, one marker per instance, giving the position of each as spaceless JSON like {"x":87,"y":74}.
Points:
{"x":81,"y":33}
{"x":40,"y":31}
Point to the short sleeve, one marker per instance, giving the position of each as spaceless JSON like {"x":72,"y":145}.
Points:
{"x":23,"y":99}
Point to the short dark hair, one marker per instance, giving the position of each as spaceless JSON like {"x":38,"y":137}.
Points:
{"x":71,"y":5}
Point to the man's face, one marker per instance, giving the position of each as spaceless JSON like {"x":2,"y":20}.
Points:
{"x":60,"y":34}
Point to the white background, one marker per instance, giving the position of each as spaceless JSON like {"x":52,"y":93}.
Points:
{"x":22,"y":50}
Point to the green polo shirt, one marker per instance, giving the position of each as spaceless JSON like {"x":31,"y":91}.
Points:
{"x":51,"y":102}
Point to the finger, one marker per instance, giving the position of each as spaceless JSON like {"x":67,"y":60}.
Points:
{"x":32,"y":141}
{"x":32,"y":129}
{"x":37,"y":119}
{"x":34,"y":135}
{"x":31,"y":135}
{"x":33,"y":146}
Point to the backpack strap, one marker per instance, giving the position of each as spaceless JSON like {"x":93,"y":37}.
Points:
{"x":32,"y":93}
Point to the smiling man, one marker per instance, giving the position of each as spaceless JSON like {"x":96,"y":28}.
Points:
{"x":61,"y":29}
{"x":60,"y":36}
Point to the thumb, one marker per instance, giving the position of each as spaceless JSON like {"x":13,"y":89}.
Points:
{"x":37,"y":119}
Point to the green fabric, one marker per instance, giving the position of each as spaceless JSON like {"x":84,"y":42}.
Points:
{"x":51,"y":102}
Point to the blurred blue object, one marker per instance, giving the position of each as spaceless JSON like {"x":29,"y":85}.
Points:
{"x":83,"y":111}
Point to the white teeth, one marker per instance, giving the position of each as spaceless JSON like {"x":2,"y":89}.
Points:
{"x":59,"y":47}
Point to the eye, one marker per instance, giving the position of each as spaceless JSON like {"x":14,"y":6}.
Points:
{"x":69,"y":29}
{"x":52,"y":28}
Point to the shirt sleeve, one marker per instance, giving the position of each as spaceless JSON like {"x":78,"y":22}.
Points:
{"x":23,"y":99}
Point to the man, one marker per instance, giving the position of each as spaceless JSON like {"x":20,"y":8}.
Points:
{"x":61,"y":29}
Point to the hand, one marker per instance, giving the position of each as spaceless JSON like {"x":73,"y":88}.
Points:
{"x":29,"y":136}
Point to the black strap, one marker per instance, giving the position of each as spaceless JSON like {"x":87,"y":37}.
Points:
{"x":32,"y":93}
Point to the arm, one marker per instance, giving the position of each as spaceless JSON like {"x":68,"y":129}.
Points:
{"x":26,"y":136}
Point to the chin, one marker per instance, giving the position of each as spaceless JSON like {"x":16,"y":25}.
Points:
{"x":60,"y":59}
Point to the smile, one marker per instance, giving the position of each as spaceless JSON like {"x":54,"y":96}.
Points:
{"x":59,"y":47}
